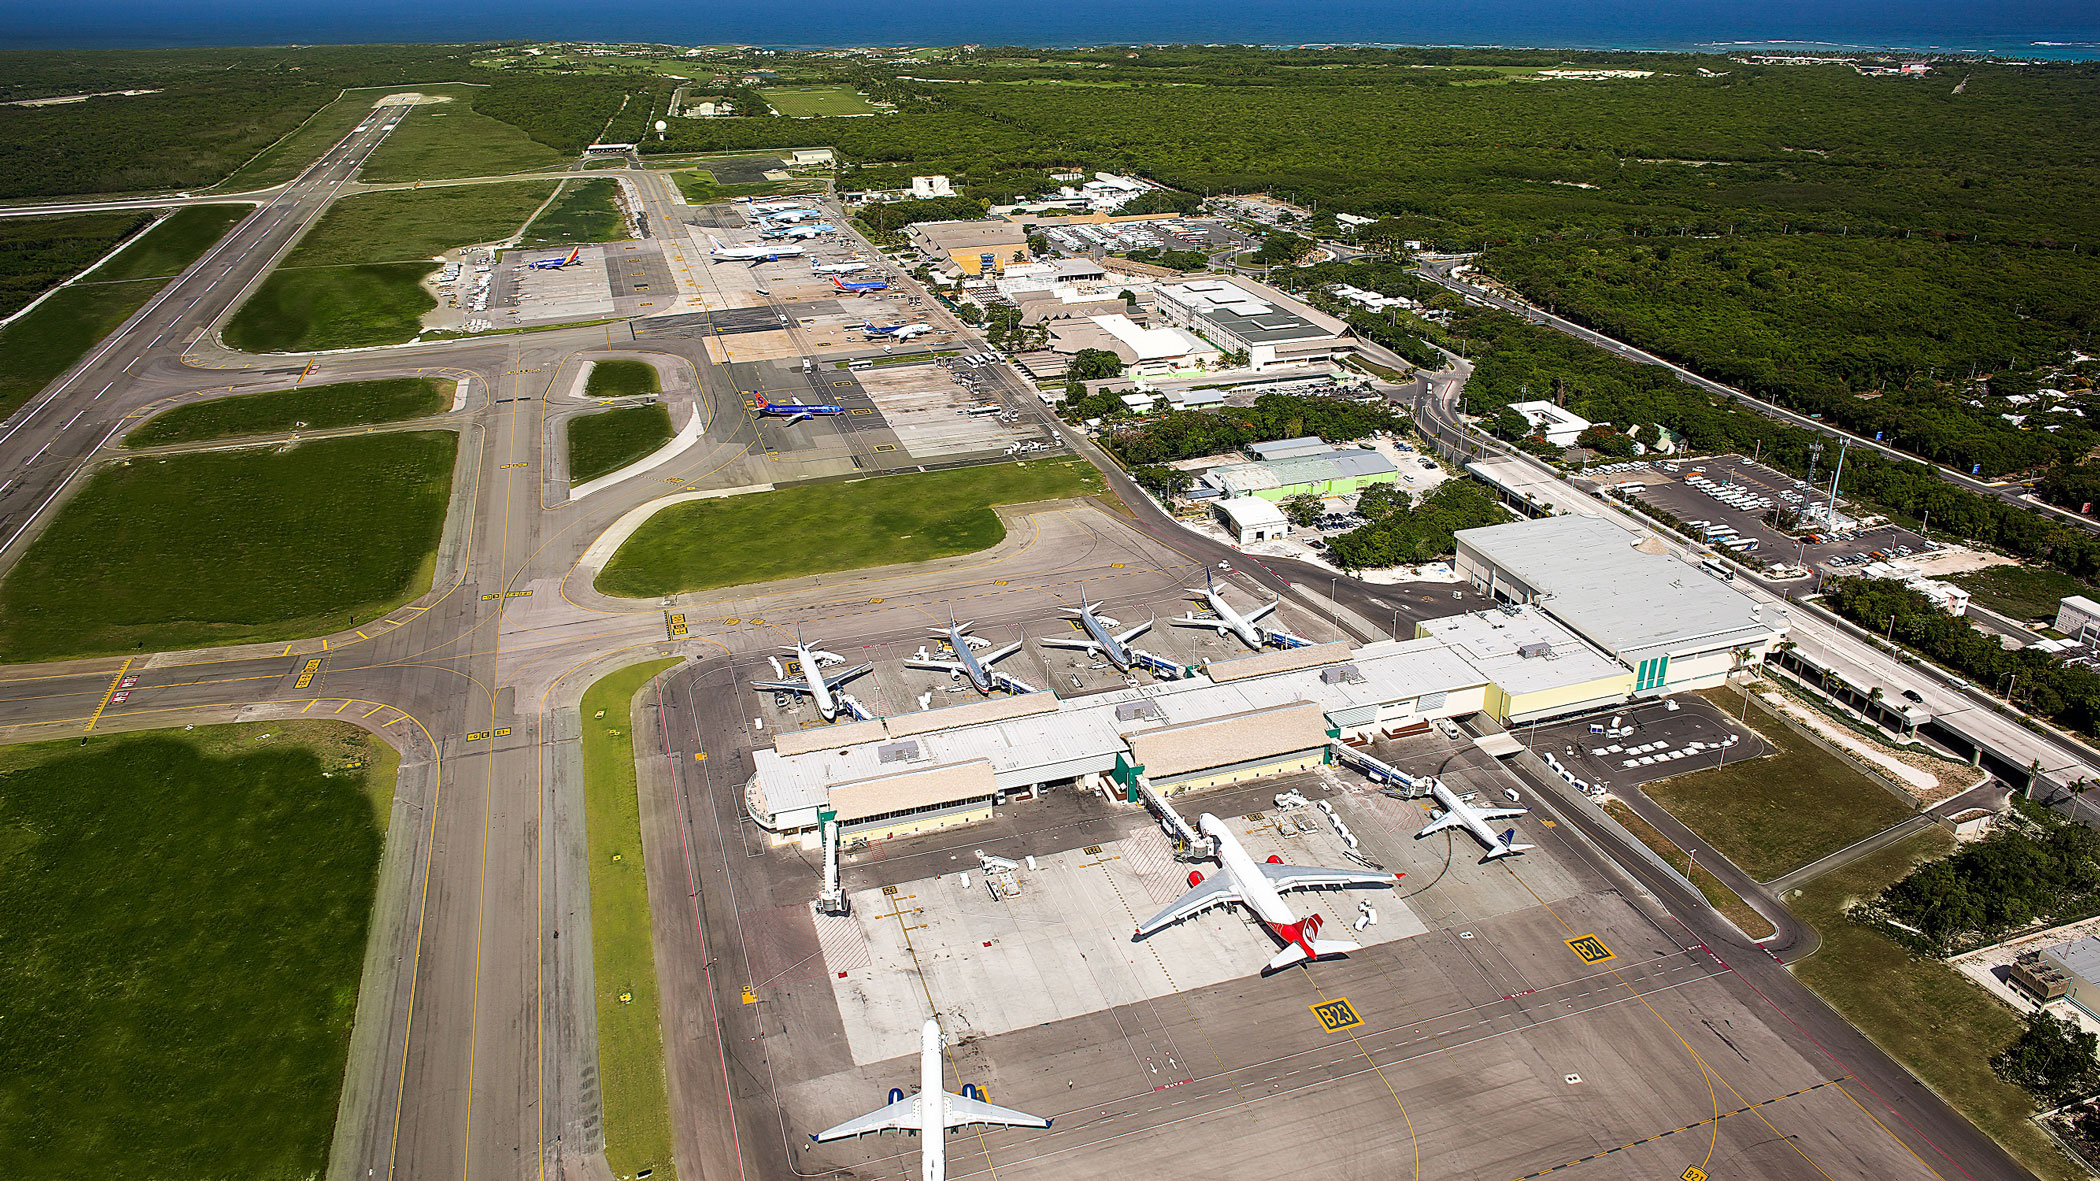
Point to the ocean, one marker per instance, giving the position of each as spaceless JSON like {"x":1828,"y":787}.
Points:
{"x":2052,"y":29}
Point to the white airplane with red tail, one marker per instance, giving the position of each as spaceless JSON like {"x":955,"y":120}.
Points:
{"x":1260,"y":885}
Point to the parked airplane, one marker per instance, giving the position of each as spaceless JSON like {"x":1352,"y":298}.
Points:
{"x":554,"y":264}
{"x":860,"y":288}
{"x":1224,"y":619}
{"x":802,"y":213}
{"x":1260,"y":886}
{"x":795,"y":412}
{"x":933,"y":1112}
{"x":837,"y":268}
{"x":896,"y":331}
{"x":771,"y":204}
{"x":1101,"y":640}
{"x":801,"y":232}
{"x":1460,"y":814}
{"x":759,"y":253}
{"x":967,"y":663}
{"x":814,"y":683}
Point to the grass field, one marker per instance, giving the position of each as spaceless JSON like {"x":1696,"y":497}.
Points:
{"x":38,"y":253}
{"x":333,"y":308}
{"x":603,"y":443}
{"x":313,"y":407}
{"x":701,"y":188}
{"x":1717,"y":893}
{"x":849,"y":526}
{"x":182,"y":928}
{"x":801,"y":101}
{"x":621,"y":379}
{"x":54,"y":336}
{"x":2023,"y":592}
{"x":438,"y":141}
{"x":288,"y":157}
{"x":179,"y":240}
{"x":417,"y":224}
{"x":1922,"y":1012}
{"x":630,"y":1035}
{"x":586,"y":211}
{"x":350,"y":282}
{"x":1780,"y":812}
{"x":231,"y":546}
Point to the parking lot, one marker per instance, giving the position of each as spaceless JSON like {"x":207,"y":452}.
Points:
{"x":1732,"y":494}
{"x":1177,"y":233}
{"x":1647,"y":742}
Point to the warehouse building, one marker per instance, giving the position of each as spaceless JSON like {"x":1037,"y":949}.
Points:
{"x":1535,"y":667}
{"x":2077,"y":969}
{"x":1332,"y":471}
{"x":1676,"y":627}
{"x":1265,"y":714}
{"x":1251,"y":518}
{"x":1240,"y":315}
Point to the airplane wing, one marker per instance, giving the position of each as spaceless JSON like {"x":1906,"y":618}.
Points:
{"x":903,"y":1115}
{"x":1500,"y":813}
{"x":839,"y":678}
{"x":1192,"y":620}
{"x":964,"y":1111}
{"x":1135,"y":632}
{"x":1068,"y":642}
{"x":943,"y":666}
{"x":792,"y":419}
{"x":1000,"y":653}
{"x":1303,"y":877}
{"x":1262,"y":610}
{"x":1217,"y":891}
{"x":1447,"y":820}
{"x":782,"y":686}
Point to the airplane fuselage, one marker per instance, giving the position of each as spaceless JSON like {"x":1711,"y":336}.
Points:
{"x":1475,"y":822}
{"x":933,"y":1106}
{"x":1112,"y":649}
{"x":980,"y":676}
{"x":1252,"y":884}
{"x":813,"y":676}
{"x":1232,"y":621}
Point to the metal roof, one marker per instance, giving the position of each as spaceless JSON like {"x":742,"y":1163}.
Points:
{"x":1588,"y":575}
{"x":2080,"y":957}
{"x":1257,"y":315}
{"x":1497,"y":643}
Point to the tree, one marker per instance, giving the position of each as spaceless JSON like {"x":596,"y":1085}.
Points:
{"x":1094,"y":364}
{"x":1301,"y":510}
{"x":2052,"y":1058}
{"x":969,"y":313}
{"x":1604,"y":440}
{"x":1236,"y":359}
{"x":1283,"y":248}
{"x":1038,"y":244}
{"x":1129,"y":298}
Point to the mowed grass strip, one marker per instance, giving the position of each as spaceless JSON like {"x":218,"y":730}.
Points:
{"x":586,"y":211}
{"x":333,"y":308}
{"x":1777,"y":813}
{"x":356,"y":279}
{"x":312,"y":407}
{"x":182,"y":928}
{"x":168,"y":250}
{"x":228,"y":547}
{"x":603,"y":443}
{"x":417,"y":224}
{"x":621,"y":379}
{"x":438,"y":141}
{"x":630,"y":1032}
{"x":52,"y":337}
{"x":820,"y":528}
{"x":1718,"y":895}
{"x":1926,"y":1015}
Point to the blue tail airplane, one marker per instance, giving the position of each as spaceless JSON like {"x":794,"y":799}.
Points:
{"x":794,"y":412}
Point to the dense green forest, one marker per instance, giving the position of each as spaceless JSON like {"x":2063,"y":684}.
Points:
{"x":2006,"y":882}
{"x":1395,"y":533}
{"x":37,"y":253}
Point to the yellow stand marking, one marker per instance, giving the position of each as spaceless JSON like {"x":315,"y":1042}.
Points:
{"x":110,"y":692}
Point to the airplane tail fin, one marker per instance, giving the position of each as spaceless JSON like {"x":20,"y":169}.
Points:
{"x":1507,"y":846}
{"x":574,"y":252}
{"x":1301,"y":946}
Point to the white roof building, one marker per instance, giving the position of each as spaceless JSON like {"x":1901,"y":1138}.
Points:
{"x":923,"y":187}
{"x":1251,"y":518}
{"x":1559,"y":426}
{"x":1241,"y":315}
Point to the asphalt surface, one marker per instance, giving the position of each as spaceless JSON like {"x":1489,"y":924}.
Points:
{"x":474,"y":1052}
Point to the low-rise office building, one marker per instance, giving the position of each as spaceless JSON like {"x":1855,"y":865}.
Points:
{"x":973,"y":247}
{"x":1250,"y":518}
{"x":1240,"y":315}
{"x":1555,"y":424}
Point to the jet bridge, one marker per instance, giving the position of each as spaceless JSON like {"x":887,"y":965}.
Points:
{"x":1189,"y":844}
{"x":1158,"y":666}
{"x":1277,"y":638}
{"x":1379,"y":771}
{"x":832,"y":898}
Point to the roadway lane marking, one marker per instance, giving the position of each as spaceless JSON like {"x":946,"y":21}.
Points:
{"x":76,"y":418}
{"x":114,"y":682}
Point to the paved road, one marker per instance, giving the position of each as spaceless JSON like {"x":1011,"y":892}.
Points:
{"x":474,"y":1052}
{"x":1437,"y":270}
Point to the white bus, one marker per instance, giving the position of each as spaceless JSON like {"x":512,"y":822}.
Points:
{"x":983,"y":411}
{"x":1714,"y":567}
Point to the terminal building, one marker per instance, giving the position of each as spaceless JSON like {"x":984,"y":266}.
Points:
{"x":971,"y":247}
{"x":1677,"y":627}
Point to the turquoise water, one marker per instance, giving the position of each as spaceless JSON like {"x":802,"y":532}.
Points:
{"x":2046,"y":29}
